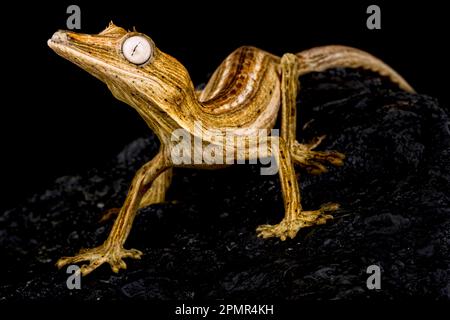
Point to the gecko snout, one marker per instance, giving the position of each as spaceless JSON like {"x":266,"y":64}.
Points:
{"x":58,"y":37}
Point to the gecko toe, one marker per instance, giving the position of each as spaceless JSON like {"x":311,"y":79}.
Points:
{"x":113,"y":255}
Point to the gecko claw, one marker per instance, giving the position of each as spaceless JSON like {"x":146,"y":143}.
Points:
{"x":315,"y":161}
{"x":288,"y":228}
{"x":112,"y":255}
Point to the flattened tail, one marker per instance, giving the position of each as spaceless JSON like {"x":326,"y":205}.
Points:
{"x":336,"y":56}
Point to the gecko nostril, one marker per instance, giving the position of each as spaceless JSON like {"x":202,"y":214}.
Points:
{"x":59,"y":36}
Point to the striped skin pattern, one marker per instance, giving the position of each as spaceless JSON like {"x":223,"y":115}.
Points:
{"x":246,"y":93}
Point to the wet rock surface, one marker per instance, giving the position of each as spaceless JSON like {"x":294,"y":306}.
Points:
{"x":394,"y":191}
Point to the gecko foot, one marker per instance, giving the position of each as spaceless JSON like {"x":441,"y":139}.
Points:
{"x":314,"y":161}
{"x":113,"y":255}
{"x":289,"y":227}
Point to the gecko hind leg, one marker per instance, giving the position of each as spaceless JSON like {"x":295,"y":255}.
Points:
{"x":289,"y":227}
{"x":295,"y":217}
{"x":287,"y":153}
{"x":315,"y":161}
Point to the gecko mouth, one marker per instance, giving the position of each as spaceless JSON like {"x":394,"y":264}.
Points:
{"x":60,"y":43}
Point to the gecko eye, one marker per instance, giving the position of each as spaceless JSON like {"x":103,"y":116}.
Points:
{"x":137,"y":49}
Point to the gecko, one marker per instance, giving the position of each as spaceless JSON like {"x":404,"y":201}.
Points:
{"x":248,"y":92}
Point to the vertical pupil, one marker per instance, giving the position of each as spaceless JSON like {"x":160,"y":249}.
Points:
{"x":137,"y":49}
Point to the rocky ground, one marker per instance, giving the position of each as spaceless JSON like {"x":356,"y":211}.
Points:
{"x":394,"y":190}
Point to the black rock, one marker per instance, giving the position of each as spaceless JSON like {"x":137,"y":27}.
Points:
{"x":394,"y":190}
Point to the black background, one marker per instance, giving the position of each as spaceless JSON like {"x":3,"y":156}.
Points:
{"x":58,"y":120}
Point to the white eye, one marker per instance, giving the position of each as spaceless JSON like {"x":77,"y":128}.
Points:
{"x":137,"y":49}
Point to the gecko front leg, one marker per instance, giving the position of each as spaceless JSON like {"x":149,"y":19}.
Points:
{"x":112,"y":250}
{"x":156,"y":194}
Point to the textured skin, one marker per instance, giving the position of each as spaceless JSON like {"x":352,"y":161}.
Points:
{"x":393,"y":190}
{"x":244,"y":94}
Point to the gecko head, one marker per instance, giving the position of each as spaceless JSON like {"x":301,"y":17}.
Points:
{"x":129,"y":63}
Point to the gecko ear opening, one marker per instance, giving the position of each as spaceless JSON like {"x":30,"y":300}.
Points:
{"x":137,"y":49}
